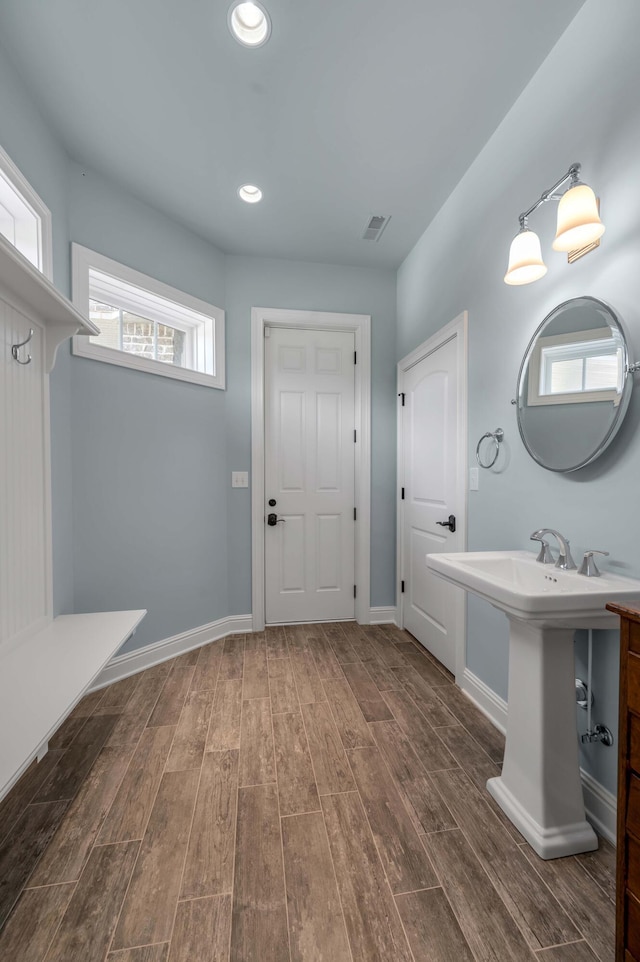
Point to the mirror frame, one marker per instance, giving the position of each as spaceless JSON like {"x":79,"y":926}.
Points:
{"x":615,"y":322}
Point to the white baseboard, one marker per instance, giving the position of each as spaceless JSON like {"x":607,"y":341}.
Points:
{"x":141,"y":658}
{"x":490,"y":704}
{"x":599,"y":803}
{"x":383,"y":616}
{"x":601,"y":806}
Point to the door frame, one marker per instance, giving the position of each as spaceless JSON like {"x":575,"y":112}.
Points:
{"x":458,"y":328}
{"x":360,"y":326}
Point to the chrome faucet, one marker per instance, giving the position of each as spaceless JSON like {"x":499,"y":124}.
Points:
{"x":565,"y":561}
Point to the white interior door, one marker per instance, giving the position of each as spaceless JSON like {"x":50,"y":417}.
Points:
{"x":432,"y":474}
{"x":309,"y":475}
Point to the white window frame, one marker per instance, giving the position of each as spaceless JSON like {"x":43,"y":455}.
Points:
{"x":39,"y":210}
{"x":148,"y":300}
{"x":535,"y":398}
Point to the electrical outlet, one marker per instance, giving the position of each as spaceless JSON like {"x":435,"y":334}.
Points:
{"x":474,"y":479}
{"x":239,"y":479}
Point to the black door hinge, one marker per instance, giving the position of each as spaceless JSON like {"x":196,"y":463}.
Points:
{"x":402,"y":587}
{"x":354,"y":591}
{"x":402,"y":396}
{"x":402,"y":494}
{"x":354,"y":435}
{"x":354,"y":514}
{"x":355,"y":357}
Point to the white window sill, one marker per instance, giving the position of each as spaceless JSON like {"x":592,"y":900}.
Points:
{"x":83,"y":347}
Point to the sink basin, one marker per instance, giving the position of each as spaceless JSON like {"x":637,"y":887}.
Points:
{"x":540,"y":788}
{"x":517,"y":584}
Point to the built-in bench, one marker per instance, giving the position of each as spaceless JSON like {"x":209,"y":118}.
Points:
{"x":46,"y":663}
{"x":45,"y":674}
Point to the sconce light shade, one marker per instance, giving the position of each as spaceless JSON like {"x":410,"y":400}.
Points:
{"x":579,"y":222}
{"x":525,"y":259}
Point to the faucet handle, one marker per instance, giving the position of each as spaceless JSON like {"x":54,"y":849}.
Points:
{"x":588,"y":566}
{"x":544,"y":557}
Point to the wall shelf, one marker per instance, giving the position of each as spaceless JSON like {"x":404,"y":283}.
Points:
{"x":30,"y":292}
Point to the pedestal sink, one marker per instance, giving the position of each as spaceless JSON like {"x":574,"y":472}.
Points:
{"x":539,"y":788}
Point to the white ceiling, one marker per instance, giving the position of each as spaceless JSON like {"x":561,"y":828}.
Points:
{"x":353,"y":108}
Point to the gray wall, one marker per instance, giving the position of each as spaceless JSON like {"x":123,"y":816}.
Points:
{"x":149,"y":481}
{"x":144,"y":513}
{"x":147,"y":452}
{"x":195,"y":567}
{"x":581,"y":105}
{"x":263,"y":282}
{"x":199,"y":569}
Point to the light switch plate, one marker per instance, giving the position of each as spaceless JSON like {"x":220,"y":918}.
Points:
{"x":474,"y":479}
{"x":239,"y":479}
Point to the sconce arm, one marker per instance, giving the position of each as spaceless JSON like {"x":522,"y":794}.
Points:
{"x":550,"y":194}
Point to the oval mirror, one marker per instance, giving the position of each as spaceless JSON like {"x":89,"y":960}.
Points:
{"x":574,"y":385}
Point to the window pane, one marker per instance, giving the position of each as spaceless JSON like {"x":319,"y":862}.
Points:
{"x":602,"y":373}
{"x":7,"y":224}
{"x":138,"y":336}
{"x":108,"y":320}
{"x":171,"y":345}
{"x":566,"y":376}
{"x":19,"y":224}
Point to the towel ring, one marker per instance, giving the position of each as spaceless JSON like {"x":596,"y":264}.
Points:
{"x":497,"y":437}
{"x":16,"y":347}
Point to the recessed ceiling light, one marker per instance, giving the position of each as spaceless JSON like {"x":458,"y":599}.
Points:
{"x":249,"y":23}
{"x":250,"y":193}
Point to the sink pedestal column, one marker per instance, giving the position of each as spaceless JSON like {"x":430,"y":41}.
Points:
{"x":540,"y":789}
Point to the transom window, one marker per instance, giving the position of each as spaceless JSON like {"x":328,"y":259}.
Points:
{"x":146,"y":324}
{"x":25,"y":221}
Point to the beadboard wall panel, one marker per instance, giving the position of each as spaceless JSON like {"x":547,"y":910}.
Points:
{"x":25,"y":548}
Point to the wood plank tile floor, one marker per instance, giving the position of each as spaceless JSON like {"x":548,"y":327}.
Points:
{"x":314,"y":793}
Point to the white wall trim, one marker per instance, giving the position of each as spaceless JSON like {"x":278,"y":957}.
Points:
{"x":457,"y":328}
{"x":383,"y":616}
{"x":599,"y":803}
{"x":132,"y":662}
{"x":360,"y":325}
{"x":490,"y":704}
{"x":601,"y":806}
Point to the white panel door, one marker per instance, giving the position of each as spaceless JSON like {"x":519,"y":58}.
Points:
{"x":309,"y":474}
{"x":431,"y":480}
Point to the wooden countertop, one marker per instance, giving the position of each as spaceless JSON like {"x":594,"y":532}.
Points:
{"x":633,"y":614}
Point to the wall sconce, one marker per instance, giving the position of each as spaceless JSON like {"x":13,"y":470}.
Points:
{"x":579,"y":229}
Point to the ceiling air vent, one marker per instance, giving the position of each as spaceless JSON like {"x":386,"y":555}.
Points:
{"x":374,"y":228}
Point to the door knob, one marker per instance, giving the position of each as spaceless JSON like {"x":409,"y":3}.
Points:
{"x":273,"y":520}
{"x":450,"y":524}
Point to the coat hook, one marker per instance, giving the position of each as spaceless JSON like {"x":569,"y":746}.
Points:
{"x":16,"y":347}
